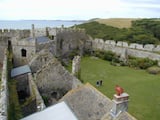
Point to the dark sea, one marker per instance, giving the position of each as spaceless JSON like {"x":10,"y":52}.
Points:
{"x":26,"y":24}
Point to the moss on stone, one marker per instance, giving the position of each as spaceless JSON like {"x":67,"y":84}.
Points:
{"x":14,"y":109}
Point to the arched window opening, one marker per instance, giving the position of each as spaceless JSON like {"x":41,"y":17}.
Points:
{"x":24,"y":53}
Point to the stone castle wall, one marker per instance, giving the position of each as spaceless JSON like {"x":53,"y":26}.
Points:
{"x":133,"y":49}
{"x":14,"y":33}
{"x":4,"y":91}
{"x":7,"y":35}
{"x":68,"y":40}
{"x":147,"y":47}
{"x":29,"y":108}
{"x":53,"y":77}
{"x":64,"y":40}
{"x":3,"y":46}
{"x":50,"y":45}
{"x":34,"y":92}
{"x":18,"y":46}
{"x":40,"y":59}
{"x":39,"y":32}
{"x":53,"y":31}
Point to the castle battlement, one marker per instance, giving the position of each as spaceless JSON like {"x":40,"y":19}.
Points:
{"x":121,"y":48}
{"x":113,"y":43}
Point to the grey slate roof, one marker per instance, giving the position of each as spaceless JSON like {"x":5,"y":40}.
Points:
{"x":122,"y":116}
{"x":89,"y":104}
{"x":20,"y":70}
{"x":41,"y":39}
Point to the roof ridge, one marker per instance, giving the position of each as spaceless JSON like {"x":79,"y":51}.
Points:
{"x":130,"y":115}
{"x":73,"y":91}
{"x":88,"y":85}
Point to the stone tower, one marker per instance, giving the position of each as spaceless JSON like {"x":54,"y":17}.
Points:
{"x":24,"y":49}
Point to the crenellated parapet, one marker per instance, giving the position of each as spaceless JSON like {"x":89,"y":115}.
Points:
{"x":38,"y":32}
{"x":55,"y":31}
{"x":68,"y":30}
{"x":122,"y":48}
{"x":14,"y":33}
{"x":100,"y":43}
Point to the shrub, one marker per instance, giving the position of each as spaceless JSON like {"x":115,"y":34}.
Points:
{"x":99,"y":54}
{"x":109,"y":55}
{"x":153,"y":70}
{"x":106,"y":55}
{"x":46,"y":100}
{"x":141,"y":63}
{"x":87,"y":52}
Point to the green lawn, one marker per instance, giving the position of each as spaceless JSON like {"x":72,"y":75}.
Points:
{"x":143,"y":88}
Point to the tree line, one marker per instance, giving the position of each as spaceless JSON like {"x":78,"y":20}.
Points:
{"x":142,"y":31}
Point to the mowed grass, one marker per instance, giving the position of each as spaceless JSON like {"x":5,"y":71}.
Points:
{"x":143,"y":88}
{"x":117,"y":22}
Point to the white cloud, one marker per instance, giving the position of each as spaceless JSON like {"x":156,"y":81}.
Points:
{"x":74,"y":9}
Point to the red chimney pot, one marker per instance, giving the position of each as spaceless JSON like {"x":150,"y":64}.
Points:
{"x":119,"y":90}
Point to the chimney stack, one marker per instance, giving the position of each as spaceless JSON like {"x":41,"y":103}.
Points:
{"x":33,"y":31}
{"x":47,"y":32}
{"x":120,"y":102}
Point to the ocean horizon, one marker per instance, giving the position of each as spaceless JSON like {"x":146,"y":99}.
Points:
{"x":26,"y":24}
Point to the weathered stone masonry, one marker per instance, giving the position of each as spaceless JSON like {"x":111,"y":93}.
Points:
{"x":4,"y":91}
{"x":136,"y":50}
{"x":34,"y":92}
{"x":53,"y":78}
{"x":7,"y":36}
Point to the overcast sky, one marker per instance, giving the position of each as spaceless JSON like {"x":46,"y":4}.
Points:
{"x":78,"y":9}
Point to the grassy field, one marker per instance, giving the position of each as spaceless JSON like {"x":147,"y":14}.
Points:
{"x":142,"y":87}
{"x":117,"y":22}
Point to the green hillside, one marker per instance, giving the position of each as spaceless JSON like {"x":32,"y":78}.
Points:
{"x":117,"y":22}
{"x":142,"y":31}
